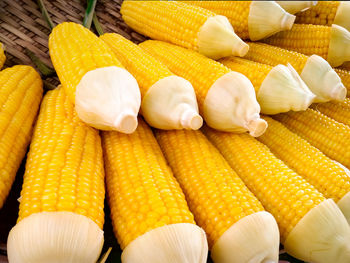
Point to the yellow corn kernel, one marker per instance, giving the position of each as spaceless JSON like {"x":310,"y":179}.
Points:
{"x":320,"y":171}
{"x":63,"y":189}
{"x":74,"y":51}
{"x":215,"y":194}
{"x":143,"y":194}
{"x":303,"y":214}
{"x":220,"y":91}
{"x":339,"y":111}
{"x":195,"y":27}
{"x":2,"y":55}
{"x":326,"y":134}
{"x":20,"y":96}
{"x":326,"y":13}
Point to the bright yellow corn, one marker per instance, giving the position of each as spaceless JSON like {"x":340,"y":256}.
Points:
{"x":202,"y":72}
{"x":306,"y":39}
{"x":326,"y":134}
{"x":64,"y":169}
{"x":142,"y":192}
{"x":2,"y":55}
{"x":145,"y":68}
{"x":63,"y":189}
{"x":256,"y":72}
{"x":321,"y":14}
{"x":237,"y":13}
{"x":271,"y":55}
{"x":74,"y":51}
{"x":283,"y":193}
{"x":215,"y":194}
{"x":320,"y":171}
{"x":20,"y":96}
{"x":337,"y":110}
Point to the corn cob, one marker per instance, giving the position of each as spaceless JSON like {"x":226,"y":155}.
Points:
{"x":195,"y":28}
{"x":147,"y":203}
{"x":168,"y":101}
{"x":226,"y":99}
{"x":2,"y":55}
{"x":345,"y":78}
{"x":251,"y":19}
{"x":312,"y":228}
{"x":331,"y":43}
{"x":20,"y":95}
{"x":327,"y":13}
{"x":294,"y":7}
{"x":326,"y":134}
{"x":61,"y":205}
{"x":219,"y":200}
{"x":329,"y":178}
{"x":339,"y":111}
{"x":314,"y":70}
{"x":273,"y":85}
{"x":106,"y":96}
{"x":345,"y":66}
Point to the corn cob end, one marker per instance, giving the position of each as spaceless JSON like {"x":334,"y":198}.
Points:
{"x":339,"y":46}
{"x":55,"y":237}
{"x":267,"y":18}
{"x":283,"y":84}
{"x":108,"y":99}
{"x":230,"y":105}
{"x":322,"y":235}
{"x":342,"y":16}
{"x":182,"y":242}
{"x":217,"y":39}
{"x":259,"y":230}
{"x":171,"y":103}
{"x":322,"y":80}
{"x":296,"y":6}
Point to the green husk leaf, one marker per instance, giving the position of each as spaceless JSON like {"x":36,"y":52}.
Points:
{"x":43,"y":68}
{"x":97,"y":25}
{"x":45,"y":14}
{"x":89,"y":13}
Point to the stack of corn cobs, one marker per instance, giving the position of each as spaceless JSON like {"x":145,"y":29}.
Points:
{"x":179,"y":189}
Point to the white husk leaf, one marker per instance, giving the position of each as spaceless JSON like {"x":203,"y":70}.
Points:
{"x":171,"y":103}
{"x":175,"y":243}
{"x":283,"y":90}
{"x":294,"y":7}
{"x":108,"y":99}
{"x":230,"y":105}
{"x":344,"y":203}
{"x":342,"y":17}
{"x":254,"y":238}
{"x":322,"y":80}
{"x":55,"y":237}
{"x":339,"y":46}
{"x":217,"y":39}
{"x":322,"y":236}
{"x":267,"y":18}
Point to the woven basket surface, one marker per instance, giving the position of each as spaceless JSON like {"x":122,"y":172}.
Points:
{"x":23,"y":28}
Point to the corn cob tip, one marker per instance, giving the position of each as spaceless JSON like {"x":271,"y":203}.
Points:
{"x":342,"y":17}
{"x":257,"y":127}
{"x":182,"y":242}
{"x":339,"y":46}
{"x":259,"y":230}
{"x":108,"y":99}
{"x":171,"y":103}
{"x":55,"y":237}
{"x":283,"y":84}
{"x":217,"y":39}
{"x":296,"y":6}
{"x":322,"y":235}
{"x":231,"y":104}
{"x":267,"y":18}
{"x":322,"y":80}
